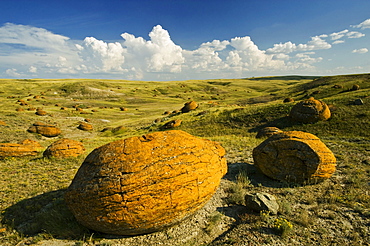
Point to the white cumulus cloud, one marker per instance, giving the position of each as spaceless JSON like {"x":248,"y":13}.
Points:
{"x":360,"y":51}
{"x":363,"y":25}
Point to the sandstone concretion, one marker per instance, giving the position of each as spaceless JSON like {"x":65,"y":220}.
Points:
{"x":25,"y":148}
{"x":85,"y":126}
{"x":64,"y":148}
{"x":295,"y":156}
{"x":189,"y":106}
{"x":145,"y":184}
{"x":172,"y":124}
{"x":45,"y":130}
{"x":310,"y":111}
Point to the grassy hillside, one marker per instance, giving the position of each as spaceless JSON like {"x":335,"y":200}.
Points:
{"x":231,"y":111}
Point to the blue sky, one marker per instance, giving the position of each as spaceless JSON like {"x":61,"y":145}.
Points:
{"x":182,"y":39}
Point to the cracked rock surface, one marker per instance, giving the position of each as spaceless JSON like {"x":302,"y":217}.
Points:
{"x":145,"y":184}
{"x":294,"y":156}
{"x":64,"y":148}
{"x":310,"y":111}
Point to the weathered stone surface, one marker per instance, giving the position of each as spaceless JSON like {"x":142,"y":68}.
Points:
{"x":189,"y":106}
{"x":45,"y":130}
{"x":294,"y":156}
{"x":64,"y":148}
{"x":268,"y":132}
{"x":85,"y":126}
{"x":310,"y":111}
{"x":25,"y":148}
{"x":172,"y":124}
{"x":145,"y":184}
{"x":262,"y":201}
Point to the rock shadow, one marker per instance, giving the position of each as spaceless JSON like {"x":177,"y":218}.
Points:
{"x":45,"y":213}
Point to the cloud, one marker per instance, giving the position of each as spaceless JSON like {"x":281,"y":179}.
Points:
{"x":355,"y":35}
{"x":363,"y":25}
{"x":12,"y":72}
{"x":338,"y":42}
{"x":338,"y":35}
{"x":360,"y":51}
{"x":316,"y":43}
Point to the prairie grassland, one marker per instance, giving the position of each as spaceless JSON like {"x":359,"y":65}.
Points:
{"x":230,"y":112}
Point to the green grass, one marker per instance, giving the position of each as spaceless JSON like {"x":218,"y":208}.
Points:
{"x":230,"y":112}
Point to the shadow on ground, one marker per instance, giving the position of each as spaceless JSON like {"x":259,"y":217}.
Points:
{"x":44,"y":213}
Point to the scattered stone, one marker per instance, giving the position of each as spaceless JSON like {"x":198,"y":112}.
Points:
{"x":294,"y":156}
{"x":145,"y":184}
{"x":172,"y":124}
{"x":64,"y":148}
{"x":288,"y":99}
{"x":355,"y":87}
{"x":2,"y":123}
{"x":25,"y":148}
{"x":41,"y":112}
{"x":337,"y":86}
{"x":310,"y":111}
{"x":189,"y":106}
{"x":85,"y":126}
{"x":358,"y":102}
{"x":268,"y":132}
{"x":123,"y":109}
{"x":262,"y":201}
{"x":19,"y":109}
{"x":45,"y":130}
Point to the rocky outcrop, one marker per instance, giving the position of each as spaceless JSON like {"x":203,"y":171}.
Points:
{"x":25,"y":148}
{"x":145,"y":184}
{"x":45,"y":130}
{"x":294,"y":156}
{"x":64,"y":148}
{"x":310,"y":111}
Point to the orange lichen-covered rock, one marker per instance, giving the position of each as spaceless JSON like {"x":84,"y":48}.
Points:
{"x":294,"y":156}
{"x":189,"y":106}
{"x":25,"y":148}
{"x":145,"y":184}
{"x":85,"y":126}
{"x":310,"y":111}
{"x":64,"y":148}
{"x":45,"y":129}
{"x":172,"y":124}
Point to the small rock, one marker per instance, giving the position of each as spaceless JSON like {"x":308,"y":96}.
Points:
{"x":358,"y":102}
{"x":64,"y":148}
{"x":189,"y":106}
{"x":172,"y":124}
{"x":85,"y":126}
{"x":262,"y":201}
{"x":310,"y":111}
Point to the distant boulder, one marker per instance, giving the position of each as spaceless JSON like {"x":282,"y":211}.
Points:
{"x":85,"y":126}
{"x":25,"y":148}
{"x":268,"y":132}
{"x":310,"y":111}
{"x":45,"y":130}
{"x":355,"y":87}
{"x":172,"y":124}
{"x":288,"y":99}
{"x":64,"y":148}
{"x":189,"y":106}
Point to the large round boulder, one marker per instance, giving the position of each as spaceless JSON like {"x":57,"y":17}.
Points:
{"x":145,"y":184}
{"x":310,"y":111}
{"x":294,"y":156}
{"x":64,"y":148}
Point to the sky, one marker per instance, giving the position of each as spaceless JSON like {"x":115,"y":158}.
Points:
{"x":161,"y":40}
